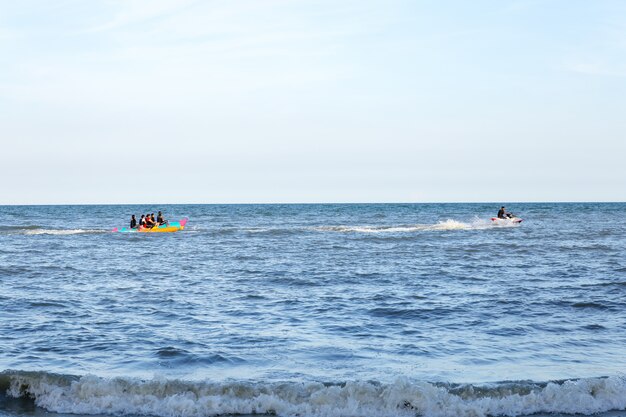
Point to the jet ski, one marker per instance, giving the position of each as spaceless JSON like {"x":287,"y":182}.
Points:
{"x":509,"y":219}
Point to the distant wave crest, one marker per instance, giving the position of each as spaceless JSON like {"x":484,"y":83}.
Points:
{"x":177,"y":398}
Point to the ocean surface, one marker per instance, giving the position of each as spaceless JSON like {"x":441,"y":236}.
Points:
{"x":349,"y":310}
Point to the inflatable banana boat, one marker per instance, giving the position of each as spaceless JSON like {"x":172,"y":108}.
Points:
{"x":164,"y":228}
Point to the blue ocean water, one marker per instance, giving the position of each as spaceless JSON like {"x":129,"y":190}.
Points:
{"x":314,"y":310}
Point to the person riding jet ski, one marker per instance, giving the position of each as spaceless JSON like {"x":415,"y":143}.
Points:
{"x":502,"y":214}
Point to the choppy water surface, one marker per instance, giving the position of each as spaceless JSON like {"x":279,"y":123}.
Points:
{"x":314,"y":310}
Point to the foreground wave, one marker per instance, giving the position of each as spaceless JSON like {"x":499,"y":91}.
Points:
{"x":177,"y":398}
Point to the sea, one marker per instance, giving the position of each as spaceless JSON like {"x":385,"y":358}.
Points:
{"x":314,"y":310}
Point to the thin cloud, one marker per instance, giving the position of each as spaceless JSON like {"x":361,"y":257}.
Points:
{"x":134,"y":12}
{"x":602,"y":55}
{"x":596,"y":69}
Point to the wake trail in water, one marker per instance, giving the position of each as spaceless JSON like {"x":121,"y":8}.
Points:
{"x":450,"y":224}
{"x":65,"y":231}
{"x":41,"y":230}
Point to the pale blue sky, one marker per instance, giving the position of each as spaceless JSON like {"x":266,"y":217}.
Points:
{"x":233,"y":101}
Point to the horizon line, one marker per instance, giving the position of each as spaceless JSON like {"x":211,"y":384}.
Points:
{"x":317,"y":203}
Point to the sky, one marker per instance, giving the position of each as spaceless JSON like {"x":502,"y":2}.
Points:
{"x":241,"y":101}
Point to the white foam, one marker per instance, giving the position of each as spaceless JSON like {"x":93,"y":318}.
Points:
{"x":450,"y":224}
{"x":403,"y":398}
{"x":61,"y":231}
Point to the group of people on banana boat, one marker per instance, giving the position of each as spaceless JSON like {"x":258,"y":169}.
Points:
{"x":502,"y":214}
{"x":147,"y":221}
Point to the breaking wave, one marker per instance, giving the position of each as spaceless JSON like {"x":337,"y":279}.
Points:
{"x":177,"y":398}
